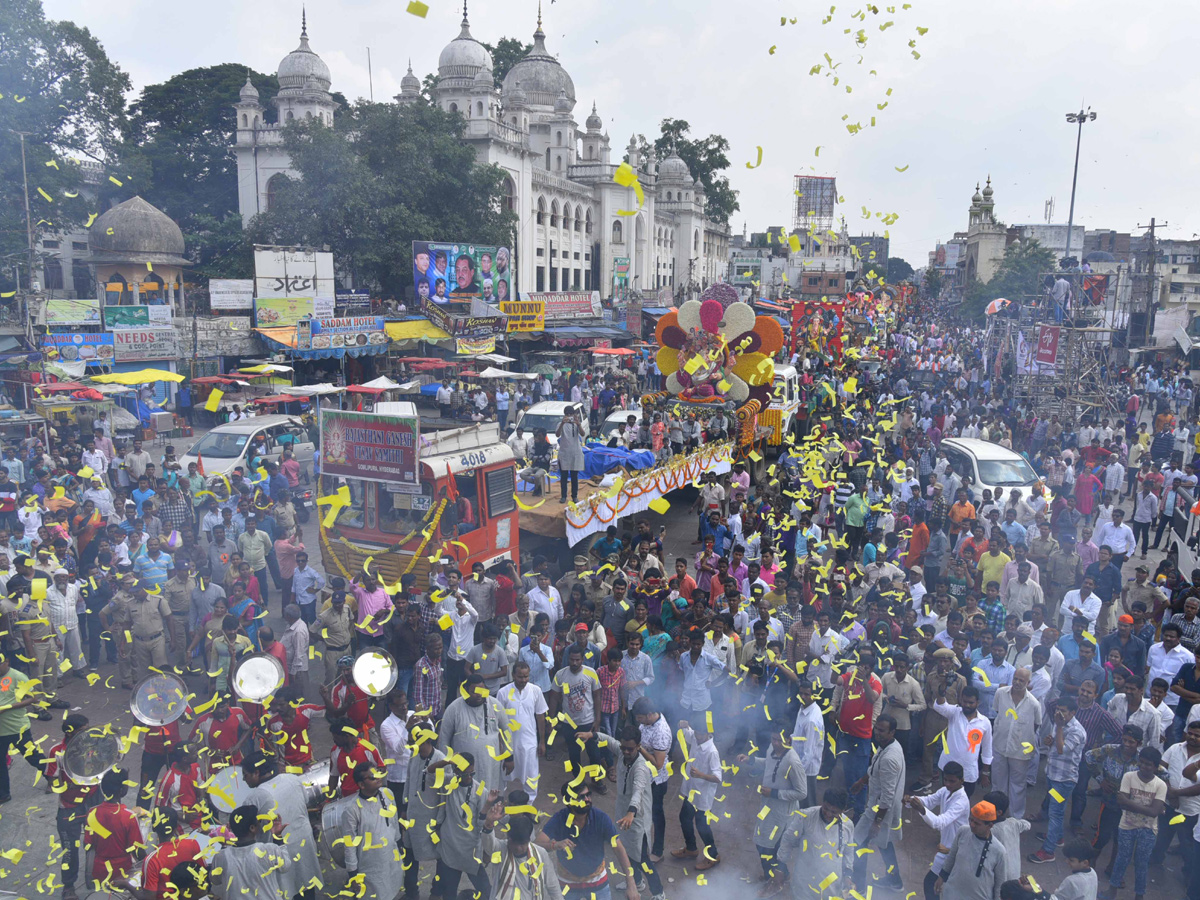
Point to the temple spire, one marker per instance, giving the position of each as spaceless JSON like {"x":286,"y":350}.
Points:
{"x":303,"y":22}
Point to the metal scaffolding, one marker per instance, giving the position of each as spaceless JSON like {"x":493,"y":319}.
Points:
{"x":1080,"y":340}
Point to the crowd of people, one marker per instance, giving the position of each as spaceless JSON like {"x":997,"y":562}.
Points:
{"x":860,"y":635}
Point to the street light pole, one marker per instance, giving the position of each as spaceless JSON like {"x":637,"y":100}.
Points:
{"x":1084,"y":115}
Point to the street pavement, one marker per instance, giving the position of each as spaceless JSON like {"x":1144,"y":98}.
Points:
{"x":27,"y":822}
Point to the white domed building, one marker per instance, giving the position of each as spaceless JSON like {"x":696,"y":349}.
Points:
{"x":560,"y":176}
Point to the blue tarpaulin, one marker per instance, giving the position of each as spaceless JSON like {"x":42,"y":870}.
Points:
{"x":598,"y":459}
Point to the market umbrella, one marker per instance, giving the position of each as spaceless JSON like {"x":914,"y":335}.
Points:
{"x":266,"y":369}
{"x":996,"y":305}
{"x":545,"y":369}
{"x":278,"y":398}
{"x":141,"y":376}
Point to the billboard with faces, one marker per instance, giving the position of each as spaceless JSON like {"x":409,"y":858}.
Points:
{"x":460,"y":272}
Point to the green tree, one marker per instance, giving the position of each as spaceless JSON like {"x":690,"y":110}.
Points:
{"x":505,"y":54}
{"x":1019,"y":275}
{"x":62,"y":90}
{"x":706,"y":159}
{"x":898,"y":270}
{"x":931,"y":287}
{"x":384,"y":176}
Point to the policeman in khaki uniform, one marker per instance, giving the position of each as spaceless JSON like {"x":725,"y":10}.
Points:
{"x":333,"y":627}
{"x":42,"y":645}
{"x":117,"y":620}
{"x":178,"y":592}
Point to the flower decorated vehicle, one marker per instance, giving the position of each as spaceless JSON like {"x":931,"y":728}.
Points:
{"x":717,"y":351}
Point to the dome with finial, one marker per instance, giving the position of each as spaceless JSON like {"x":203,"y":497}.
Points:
{"x":541,"y":74}
{"x":302,"y":63}
{"x":248,"y":93}
{"x":410,"y":83}
{"x":563,"y":104}
{"x":594,"y":122}
{"x":484,"y":80}
{"x":987,"y":189}
{"x":463,"y":57}
{"x":978,"y":198}
{"x":673,"y":169}
{"x":515,"y":98}
{"x":135,"y":231}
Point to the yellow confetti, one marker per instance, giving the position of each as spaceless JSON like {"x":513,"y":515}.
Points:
{"x":46,"y":196}
{"x":757,"y":163}
{"x":417,"y":8}
{"x":214,"y":400}
{"x":660,"y":505}
{"x":1058,"y":798}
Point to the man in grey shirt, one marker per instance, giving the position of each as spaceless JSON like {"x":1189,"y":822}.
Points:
{"x":481,"y":593}
{"x":219,"y":552}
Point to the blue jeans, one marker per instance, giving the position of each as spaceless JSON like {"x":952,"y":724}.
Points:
{"x":1058,"y":811}
{"x":857,"y":761}
{"x":608,"y":723}
{"x":1136,"y":844}
{"x":404,"y":679}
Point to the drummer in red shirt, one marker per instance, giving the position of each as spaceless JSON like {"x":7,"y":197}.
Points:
{"x":158,"y":743}
{"x":173,"y":849}
{"x":179,"y":790}
{"x":346,"y":699}
{"x":113,"y":833}
{"x":349,"y":750}
{"x":72,"y":803}
{"x":224,"y":731}
{"x":266,"y":636}
{"x":291,"y":717}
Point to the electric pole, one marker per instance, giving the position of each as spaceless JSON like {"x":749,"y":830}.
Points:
{"x":1148,"y":326}
{"x":29,"y":239}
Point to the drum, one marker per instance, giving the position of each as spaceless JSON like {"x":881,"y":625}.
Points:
{"x":227,"y":789}
{"x":375,"y":672}
{"x":258,"y":677}
{"x":159,"y":699}
{"x":315,"y":779}
{"x":91,"y":753}
{"x":333,"y":835}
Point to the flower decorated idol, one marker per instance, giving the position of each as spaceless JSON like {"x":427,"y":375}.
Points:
{"x":716,"y":349}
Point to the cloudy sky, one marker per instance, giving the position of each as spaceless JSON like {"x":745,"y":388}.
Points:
{"x":987,"y":95}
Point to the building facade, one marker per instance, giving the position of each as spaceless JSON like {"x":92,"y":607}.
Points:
{"x":574,"y":222}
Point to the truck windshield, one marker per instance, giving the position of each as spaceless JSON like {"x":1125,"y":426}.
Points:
{"x":220,"y":445}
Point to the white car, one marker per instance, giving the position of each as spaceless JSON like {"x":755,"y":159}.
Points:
{"x":228,"y":446}
{"x":616,"y":422}
{"x":548,"y":415}
{"x":989,"y":466}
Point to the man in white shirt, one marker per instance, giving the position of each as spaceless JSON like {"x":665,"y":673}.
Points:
{"x":520,"y":443}
{"x":1117,"y":535}
{"x":444,"y":397}
{"x":1131,"y":708}
{"x":1018,"y":718}
{"x":1183,"y":794}
{"x":808,"y":735}
{"x":1083,"y":602}
{"x":946,"y":809}
{"x":393,"y":731}
{"x":825,"y":644}
{"x":1166,"y":658}
{"x":545,"y":598}
{"x":968,"y":734}
{"x":102,"y":497}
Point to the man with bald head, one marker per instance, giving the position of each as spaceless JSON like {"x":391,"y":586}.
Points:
{"x":1014,"y":736}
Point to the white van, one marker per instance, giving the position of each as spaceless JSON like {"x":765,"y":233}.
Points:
{"x":989,"y":466}
{"x":228,"y":446}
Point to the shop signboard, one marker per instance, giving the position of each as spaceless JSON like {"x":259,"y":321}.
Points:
{"x":95,"y":349}
{"x":278,"y":312}
{"x":345,"y":333}
{"x":568,"y":304}
{"x":85,"y":311}
{"x":371,"y":447}
{"x":457,"y":271}
{"x":525,"y":315}
{"x":137,"y":345}
{"x":353,"y":300}
{"x":231,"y":293}
{"x":295,"y":273}
{"x":462,"y":326}
{"x":158,"y":316}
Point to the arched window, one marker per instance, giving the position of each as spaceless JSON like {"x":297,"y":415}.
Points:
{"x":616,"y":233}
{"x":558,"y":163}
{"x":479,"y":109}
{"x":273,"y":185}
{"x":588,"y":224}
{"x":566,"y":222}
{"x":553,"y":213}
{"x":668,"y":195}
{"x":245,"y":120}
{"x":558,"y":139}
{"x":308,"y":115}
{"x":547,"y":159}
{"x":256,"y":121}
{"x":515,"y":121}
{"x":453,"y":107}
{"x":510,"y":195}
{"x":578,"y":216}
{"x":696,"y":241}
{"x":290,"y":117}
{"x":541,"y":210}
{"x":590,"y":148}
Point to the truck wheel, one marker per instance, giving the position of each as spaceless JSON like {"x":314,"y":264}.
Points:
{"x":758,"y":470}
